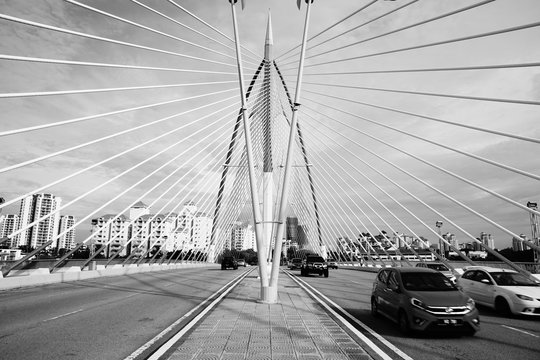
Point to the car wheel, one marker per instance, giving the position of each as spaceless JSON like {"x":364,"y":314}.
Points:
{"x":374,"y":307}
{"x":502,"y":306}
{"x":326,"y":273}
{"x":403,"y":322}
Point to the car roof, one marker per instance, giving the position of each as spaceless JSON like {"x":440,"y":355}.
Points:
{"x":488,"y":269}
{"x":411,"y":270}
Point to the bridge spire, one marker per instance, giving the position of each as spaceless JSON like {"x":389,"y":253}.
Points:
{"x":269,"y":40}
{"x":268,"y":167}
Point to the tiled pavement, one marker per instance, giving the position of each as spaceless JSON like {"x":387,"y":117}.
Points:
{"x":240,"y":327}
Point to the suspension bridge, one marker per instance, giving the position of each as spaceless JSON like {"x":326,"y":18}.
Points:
{"x":391,"y":131}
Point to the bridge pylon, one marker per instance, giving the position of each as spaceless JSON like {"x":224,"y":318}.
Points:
{"x":260,"y":144}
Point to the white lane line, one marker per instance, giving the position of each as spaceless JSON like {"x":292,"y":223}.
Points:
{"x":181,"y":333}
{"x":521,"y":331}
{"x":63,"y":315}
{"x":352,"y":318}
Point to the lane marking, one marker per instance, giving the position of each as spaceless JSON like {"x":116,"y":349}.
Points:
{"x":518,"y":330}
{"x":352,"y":328}
{"x":167,"y":345}
{"x":63,"y":315}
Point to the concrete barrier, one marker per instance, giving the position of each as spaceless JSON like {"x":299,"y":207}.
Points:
{"x":36,"y":277}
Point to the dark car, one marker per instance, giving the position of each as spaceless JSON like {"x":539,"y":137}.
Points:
{"x":421,"y":299}
{"x":228,"y":262}
{"x":314,"y":264}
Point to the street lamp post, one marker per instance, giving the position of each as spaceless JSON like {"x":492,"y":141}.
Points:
{"x":439,"y":224}
{"x":535,"y":232}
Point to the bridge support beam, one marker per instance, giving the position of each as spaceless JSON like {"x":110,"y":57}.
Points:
{"x":283,"y":204}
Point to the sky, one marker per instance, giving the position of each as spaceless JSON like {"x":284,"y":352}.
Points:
{"x":345,"y":131}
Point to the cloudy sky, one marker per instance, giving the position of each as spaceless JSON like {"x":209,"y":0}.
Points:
{"x":339,"y":142}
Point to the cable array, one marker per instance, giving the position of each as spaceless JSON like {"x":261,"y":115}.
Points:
{"x":404,"y":121}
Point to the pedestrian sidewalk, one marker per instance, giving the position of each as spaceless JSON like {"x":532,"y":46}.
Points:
{"x":240,"y":327}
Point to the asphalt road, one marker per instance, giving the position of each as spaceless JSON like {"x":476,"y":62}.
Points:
{"x":106,"y":318}
{"x":110,"y":318}
{"x":500,"y":338}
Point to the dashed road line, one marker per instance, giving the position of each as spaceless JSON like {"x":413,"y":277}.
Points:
{"x":518,"y":330}
{"x":63,"y":315}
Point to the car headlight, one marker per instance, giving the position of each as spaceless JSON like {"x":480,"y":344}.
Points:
{"x":470,"y":304}
{"x":418,"y":303}
{"x":524,"y":297}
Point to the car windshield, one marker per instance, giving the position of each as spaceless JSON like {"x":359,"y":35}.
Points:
{"x":427,"y":282}
{"x":512,"y":279}
{"x":315,"y":259}
{"x":296,"y":260}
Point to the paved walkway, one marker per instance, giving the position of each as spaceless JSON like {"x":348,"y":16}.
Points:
{"x":240,"y":327}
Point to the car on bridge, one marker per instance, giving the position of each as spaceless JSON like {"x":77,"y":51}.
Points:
{"x":314,"y":264}
{"x":295,"y":263}
{"x":439,"y":266}
{"x":241,"y":262}
{"x":332,"y":263}
{"x":229,"y":262}
{"x":422,"y":299}
{"x":507,"y":291}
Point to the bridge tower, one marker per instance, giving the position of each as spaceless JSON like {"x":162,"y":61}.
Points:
{"x":262,"y":146}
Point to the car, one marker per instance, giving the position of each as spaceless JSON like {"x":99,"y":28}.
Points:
{"x":295,"y":263}
{"x":422,"y":299}
{"x":314,"y":264}
{"x":241,"y":262}
{"x":506,"y":291}
{"x":332,"y":264}
{"x":229,"y":262}
{"x":439,"y":266}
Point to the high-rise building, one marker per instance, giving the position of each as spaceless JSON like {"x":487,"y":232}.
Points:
{"x":202,"y":229}
{"x":242,"y":237}
{"x":111,"y":230}
{"x":518,"y":245}
{"x":32,"y":209}
{"x":8,"y":226}
{"x":292,"y":229}
{"x":66,"y":240}
{"x":487,"y":240}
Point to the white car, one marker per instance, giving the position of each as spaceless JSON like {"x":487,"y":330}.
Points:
{"x":440,"y":267}
{"x":507,"y":291}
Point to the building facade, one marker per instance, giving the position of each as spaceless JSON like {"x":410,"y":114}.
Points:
{"x":66,"y":232}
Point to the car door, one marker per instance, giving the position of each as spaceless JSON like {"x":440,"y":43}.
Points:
{"x":393,"y":294}
{"x":380,"y":291}
{"x":485,"y":288}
